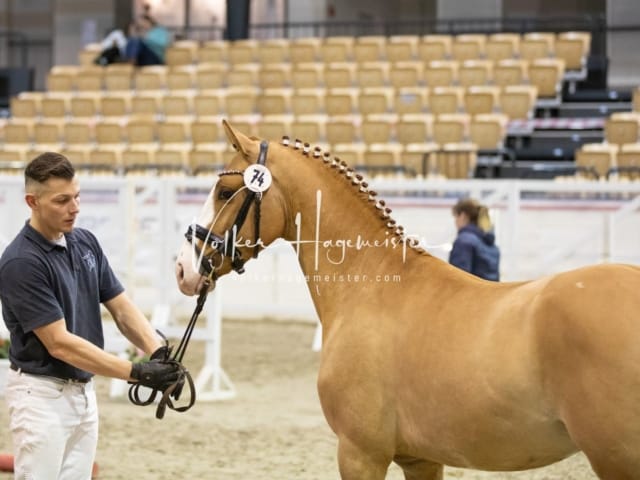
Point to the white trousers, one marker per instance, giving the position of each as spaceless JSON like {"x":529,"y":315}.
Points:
{"x":54,"y":427}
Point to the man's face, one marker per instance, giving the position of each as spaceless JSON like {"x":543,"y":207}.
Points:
{"x":55,"y":204}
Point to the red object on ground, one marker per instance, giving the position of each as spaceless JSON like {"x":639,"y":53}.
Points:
{"x":6,"y":462}
{"x":6,"y":465}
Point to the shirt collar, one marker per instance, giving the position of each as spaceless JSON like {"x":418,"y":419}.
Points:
{"x":36,"y":237}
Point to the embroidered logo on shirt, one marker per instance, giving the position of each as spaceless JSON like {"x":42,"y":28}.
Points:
{"x":90,"y":260}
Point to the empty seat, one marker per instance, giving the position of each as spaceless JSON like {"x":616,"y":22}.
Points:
{"x":446,"y":99}
{"x":275,"y":75}
{"x":594,"y":160}
{"x":451,"y":128}
{"x":274,"y":101}
{"x":307,"y":75}
{"x":341,"y":101}
{"x":60,"y":82}
{"x":55,"y":106}
{"x":115,"y":106}
{"x":468,"y":46}
{"x":18,"y":131}
{"x":109,"y":132}
{"x":24,"y":107}
{"x":337,"y":49}
{"x":434,"y":47}
{"x":488,"y":131}
{"x":518,"y":101}
{"x":340,"y":74}
{"x":475,"y":72}
{"x":502,"y":46}
{"x":242,"y":51}
{"x":441,"y":73}
{"x":177,"y":104}
{"x":372,"y":74}
{"x":622,"y":127}
{"x":274,"y":50}
{"x":210,"y":76}
{"x":77,"y":133}
{"x":213,"y":51}
{"x":147,"y":103}
{"x":240,"y":101}
{"x":573,"y":48}
{"x":628,"y":162}
{"x":456,"y":160}
{"x":208,"y":103}
{"x":308,"y":101}
{"x":117,"y":79}
{"x":274,"y":127}
{"x":181,"y":78}
{"x":343,"y":129}
{"x":510,"y":72}
{"x":535,"y":45}
{"x":547,"y":75}
{"x":378,"y":129}
{"x":402,"y":48}
{"x":181,"y":54}
{"x":47,"y":132}
{"x":173,"y":132}
{"x":481,"y":99}
{"x":84,"y":106}
{"x":309,"y":128}
{"x":369,"y":48}
{"x":89,"y":81}
{"x":139,"y":130}
{"x":406,"y":73}
{"x":304,"y":50}
{"x":205,"y":132}
{"x":411,"y":100}
{"x":150,"y":78}
{"x":375,"y":100}
{"x":243,"y":75}
{"x":207,"y":159}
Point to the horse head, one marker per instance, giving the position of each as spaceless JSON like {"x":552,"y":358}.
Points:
{"x":243,"y":213}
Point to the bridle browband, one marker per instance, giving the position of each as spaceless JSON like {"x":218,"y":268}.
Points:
{"x":226,"y":244}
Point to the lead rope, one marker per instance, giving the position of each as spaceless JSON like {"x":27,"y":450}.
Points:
{"x":184,"y":375}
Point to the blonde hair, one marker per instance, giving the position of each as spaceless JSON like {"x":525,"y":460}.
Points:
{"x":477,"y":213}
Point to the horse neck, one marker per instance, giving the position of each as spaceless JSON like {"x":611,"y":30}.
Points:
{"x":334,"y":224}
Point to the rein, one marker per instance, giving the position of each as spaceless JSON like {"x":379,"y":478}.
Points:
{"x":174,"y":389}
{"x":224,"y":245}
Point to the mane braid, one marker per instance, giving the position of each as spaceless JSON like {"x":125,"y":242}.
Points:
{"x":356,"y":180}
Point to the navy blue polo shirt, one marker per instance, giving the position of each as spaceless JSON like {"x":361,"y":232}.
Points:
{"x":41,"y":282}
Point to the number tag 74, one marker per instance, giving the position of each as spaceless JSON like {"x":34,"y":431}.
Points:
{"x":257,"y":178}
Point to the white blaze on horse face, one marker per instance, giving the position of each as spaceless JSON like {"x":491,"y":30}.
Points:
{"x":189,"y":261}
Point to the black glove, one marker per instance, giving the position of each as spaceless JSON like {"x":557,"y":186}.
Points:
{"x":163,"y":353}
{"x":156,"y":374}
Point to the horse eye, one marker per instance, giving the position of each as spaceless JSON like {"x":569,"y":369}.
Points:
{"x":225,"y":194}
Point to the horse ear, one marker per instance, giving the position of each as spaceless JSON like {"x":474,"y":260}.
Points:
{"x":240,"y":141}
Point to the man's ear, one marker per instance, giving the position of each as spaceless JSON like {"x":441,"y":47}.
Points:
{"x":31,"y":199}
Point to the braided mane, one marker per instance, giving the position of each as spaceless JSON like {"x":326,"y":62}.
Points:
{"x":357,"y":181}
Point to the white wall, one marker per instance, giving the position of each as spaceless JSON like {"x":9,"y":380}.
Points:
{"x":469,"y":9}
{"x":622,"y":47}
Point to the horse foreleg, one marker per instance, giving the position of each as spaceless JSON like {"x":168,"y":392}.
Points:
{"x":418,"y":469}
{"x":360,"y":463}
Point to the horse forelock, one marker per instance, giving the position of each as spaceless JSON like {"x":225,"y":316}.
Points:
{"x":356,"y":180}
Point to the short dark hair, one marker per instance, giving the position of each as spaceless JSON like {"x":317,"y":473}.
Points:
{"x":47,"y":165}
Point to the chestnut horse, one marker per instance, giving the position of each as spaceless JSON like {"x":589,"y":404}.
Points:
{"x":423,"y":364}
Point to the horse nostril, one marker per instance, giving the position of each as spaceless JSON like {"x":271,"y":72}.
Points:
{"x":180,"y":271}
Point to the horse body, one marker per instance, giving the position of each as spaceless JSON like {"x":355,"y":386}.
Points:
{"x":440,"y":367}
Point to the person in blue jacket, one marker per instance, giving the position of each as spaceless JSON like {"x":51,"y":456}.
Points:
{"x":148,"y":43}
{"x":474,"y":249}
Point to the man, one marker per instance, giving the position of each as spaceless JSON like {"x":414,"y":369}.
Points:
{"x":148,"y":45}
{"x":53,"y":278}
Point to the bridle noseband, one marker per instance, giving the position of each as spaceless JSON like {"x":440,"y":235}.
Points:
{"x":226,"y":244}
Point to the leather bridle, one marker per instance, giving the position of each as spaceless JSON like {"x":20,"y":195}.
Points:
{"x":225,"y":245}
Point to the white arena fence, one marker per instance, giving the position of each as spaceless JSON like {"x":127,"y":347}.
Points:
{"x":542,"y":227}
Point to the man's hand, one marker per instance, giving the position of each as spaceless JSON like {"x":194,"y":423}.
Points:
{"x":163,"y":353}
{"x":156,"y":374}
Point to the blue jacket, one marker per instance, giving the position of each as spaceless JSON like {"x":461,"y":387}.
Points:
{"x":475,"y":251}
